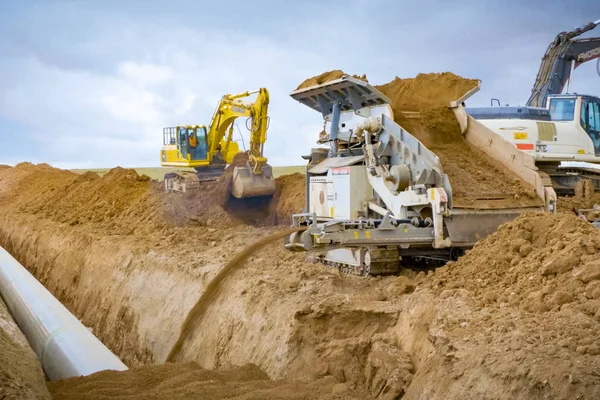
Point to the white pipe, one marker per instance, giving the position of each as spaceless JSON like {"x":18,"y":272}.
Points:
{"x":65,"y":347}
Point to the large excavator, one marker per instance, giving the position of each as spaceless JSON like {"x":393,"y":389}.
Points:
{"x":210,"y":150}
{"x":561,"y":131}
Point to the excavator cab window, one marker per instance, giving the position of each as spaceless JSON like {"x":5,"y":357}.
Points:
{"x":590,"y":120}
{"x":182,"y":141}
{"x":202,"y":148}
{"x":562,"y":109}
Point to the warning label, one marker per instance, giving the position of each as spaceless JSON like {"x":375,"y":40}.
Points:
{"x":340,"y":171}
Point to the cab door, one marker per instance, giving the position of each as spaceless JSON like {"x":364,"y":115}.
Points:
{"x":590,"y":120}
{"x":182,"y":142}
{"x":202,"y":151}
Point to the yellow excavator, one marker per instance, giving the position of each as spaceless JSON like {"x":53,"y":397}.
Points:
{"x":210,"y":150}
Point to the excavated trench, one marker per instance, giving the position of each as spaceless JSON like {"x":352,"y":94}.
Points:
{"x":484,"y":326}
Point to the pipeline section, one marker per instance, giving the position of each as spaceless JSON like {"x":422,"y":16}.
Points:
{"x":64,"y":346}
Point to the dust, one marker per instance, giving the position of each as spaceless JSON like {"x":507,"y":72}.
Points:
{"x":195,"y":314}
{"x":190,"y":381}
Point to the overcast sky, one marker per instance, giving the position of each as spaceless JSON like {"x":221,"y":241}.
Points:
{"x":92,"y":83}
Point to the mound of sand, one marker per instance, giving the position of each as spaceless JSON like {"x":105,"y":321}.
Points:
{"x":426,"y":91}
{"x":540,"y":263}
{"x":326,"y":77}
{"x":190,"y":381}
{"x":289,"y":198}
{"x":119,"y":202}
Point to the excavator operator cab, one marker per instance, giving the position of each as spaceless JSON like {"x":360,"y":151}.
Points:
{"x":590,"y":119}
{"x":583,"y":110}
{"x":192,"y":142}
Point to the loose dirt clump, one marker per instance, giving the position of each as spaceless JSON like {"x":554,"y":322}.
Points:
{"x":190,"y":381}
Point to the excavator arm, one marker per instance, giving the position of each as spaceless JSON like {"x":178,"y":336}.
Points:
{"x":229,"y":109}
{"x":256,"y":178}
{"x":562,"y":56}
{"x":258,"y":132}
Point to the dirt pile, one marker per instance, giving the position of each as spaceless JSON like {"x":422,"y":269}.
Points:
{"x":119,"y":202}
{"x":540,"y":263}
{"x":21,"y":375}
{"x":426,"y":91}
{"x":289,"y":198}
{"x":326,"y":77}
{"x":190,"y":381}
{"x":531,"y":295}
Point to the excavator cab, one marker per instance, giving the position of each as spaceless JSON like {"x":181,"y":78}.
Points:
{"x":193,"y":143}
{"x":590,"y":119}
{"x":581,"y":111}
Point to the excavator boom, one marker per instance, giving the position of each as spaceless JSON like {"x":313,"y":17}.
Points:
{"x":563,"y":55}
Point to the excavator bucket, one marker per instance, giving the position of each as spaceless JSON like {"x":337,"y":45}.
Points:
{"x":248,"y":184}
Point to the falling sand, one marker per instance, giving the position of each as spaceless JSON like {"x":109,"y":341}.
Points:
{"x":195,"y":314}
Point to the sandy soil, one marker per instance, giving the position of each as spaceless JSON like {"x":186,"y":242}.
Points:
{"x":326,"y":77}
{"x":420,"y":106}
{"x":190,"y":381}
{"x":516,"y":317}
{"x":21,"y":375}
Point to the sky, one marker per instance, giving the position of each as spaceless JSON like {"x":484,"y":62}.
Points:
{"x":91,"y":83}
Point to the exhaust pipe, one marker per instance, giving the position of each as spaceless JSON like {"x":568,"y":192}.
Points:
{"x":64,"y":346}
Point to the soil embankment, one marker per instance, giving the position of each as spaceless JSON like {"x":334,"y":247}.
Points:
{"x":515,"y":317}
{"x":21,"y":375}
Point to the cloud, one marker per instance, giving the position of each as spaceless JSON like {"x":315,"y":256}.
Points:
{"x":92,"y":84}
